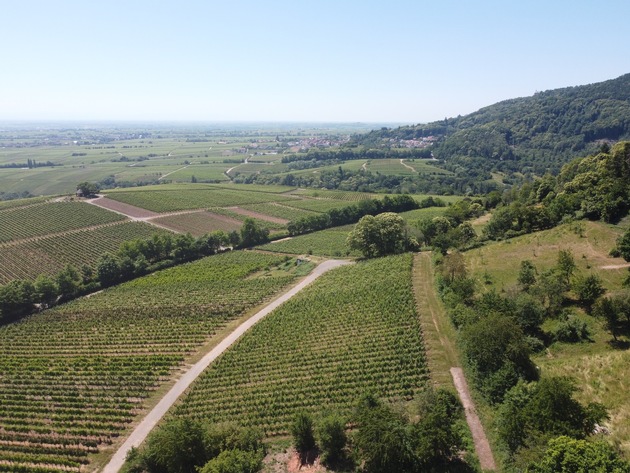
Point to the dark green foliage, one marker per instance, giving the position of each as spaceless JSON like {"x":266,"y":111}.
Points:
{"x":572,"y":330}
{"x":550,"y":289}
{"x":108,"y":270}
{"x":435,"y":438}
{"x":530,"y":134}
{"x":387,"y":441}
{"x":497,"y":350}
{"x":252,"y":234}
{"x":623,"y":245}
{"x":353,"y":213}
{"x":552,"y":409}
{"x":303,"y":433}
{"x":532,"y":413}
{"x":176,"y":447}
{"x":16,"y":300}
{"x":185,"y":446}
{"x":46,"y":291}
{"x":234,"y":461}
{"x":568,"y":455}
{"x":566,"y":264}
{"x":69,"y":282}
{"x":330,"y":432}
{"x":604,"y":309}
{"x":588,"y":290}
{"x":527,"y":275}
{"x":88,"y":189}
{"x":382,"y":438}
{"x":384,"y":234}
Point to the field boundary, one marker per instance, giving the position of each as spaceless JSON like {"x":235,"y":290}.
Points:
{"x":139,"y":434}
{"x":442,"y":354}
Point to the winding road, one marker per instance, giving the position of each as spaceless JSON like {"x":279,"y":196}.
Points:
{"x":152,"y":418}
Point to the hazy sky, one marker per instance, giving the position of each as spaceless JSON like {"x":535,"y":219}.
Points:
{"x":405,"y":61}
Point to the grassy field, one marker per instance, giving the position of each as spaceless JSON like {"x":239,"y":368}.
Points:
{"x":74,"y":378}
{"x":353,"y":330}
{"x":589,"y":250}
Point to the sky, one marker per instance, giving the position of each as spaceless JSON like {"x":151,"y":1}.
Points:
{"x":396,"y":61}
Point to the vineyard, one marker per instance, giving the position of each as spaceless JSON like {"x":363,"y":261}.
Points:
{"x":159,"y":200}
{"x":353,"y":330}
{"x":73,"y":378}
{"x":318,"y":205}
{"x":49,"y":255}
{"x":331,"y":242}
{"x":278,"y":210}
{"x":199,"y":223}
{"x":337,"y":195}
{"x":18,"y":223}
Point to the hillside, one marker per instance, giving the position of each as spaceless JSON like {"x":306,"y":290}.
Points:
{"x":528,"y":134}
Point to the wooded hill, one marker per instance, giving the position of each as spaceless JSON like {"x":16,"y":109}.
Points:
{"x":534,"y":134}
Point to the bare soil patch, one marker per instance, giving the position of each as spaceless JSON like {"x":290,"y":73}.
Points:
{"x":129,"y":210}
{"x":251,"y":213}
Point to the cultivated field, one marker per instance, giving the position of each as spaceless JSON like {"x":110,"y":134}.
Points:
{"x":50,"y":254}
{"x":74,"y":378}
{"x":330,"y":242}
{"x":46,"y":218}
{"x":355,"y":329}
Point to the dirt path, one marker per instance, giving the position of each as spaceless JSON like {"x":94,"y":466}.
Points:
{"x":616,"y":266}
{"x":407,"y":166}
{"x":152,"y":418}
{"x":482,"y":446}
{"x":172,"y":172}
{"x":442,"y":353}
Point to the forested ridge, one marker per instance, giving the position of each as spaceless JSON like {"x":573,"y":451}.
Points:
{"x":535,"y":134}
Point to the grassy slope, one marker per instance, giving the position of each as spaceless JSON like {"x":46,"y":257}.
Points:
{"x":600,"y":369}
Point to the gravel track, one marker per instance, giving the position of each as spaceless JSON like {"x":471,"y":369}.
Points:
{"x":152,"y":418}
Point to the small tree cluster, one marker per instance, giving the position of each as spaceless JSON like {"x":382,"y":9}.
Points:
{"x":188,"y":446}
{"x":382,"y":235}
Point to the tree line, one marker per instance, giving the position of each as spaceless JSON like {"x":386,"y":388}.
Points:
{"x":134,"y":258}
{"x":352,"y":213}
{"x":376,"y":437}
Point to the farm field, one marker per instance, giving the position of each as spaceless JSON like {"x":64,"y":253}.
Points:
{"x":50,"y":217}
{"x":73,"y":378}
{"x":282,"y":211}
{"x":321,"y":350}
{"x":159,"y":200}
{"x":50,"y":254}
{"x":330,"y":242}
{"x":418,"y":214}
{"x":144,"y":154}
{"x":199,"y":223}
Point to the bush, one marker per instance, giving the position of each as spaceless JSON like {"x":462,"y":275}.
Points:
{"x":234,"y":461}
{"x":572,"y":330}
{"x":302,"y":432}
{"x":331,"y":438}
